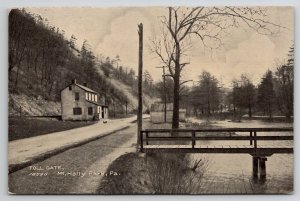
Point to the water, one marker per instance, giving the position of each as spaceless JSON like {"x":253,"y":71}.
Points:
{"x":232,"y":173}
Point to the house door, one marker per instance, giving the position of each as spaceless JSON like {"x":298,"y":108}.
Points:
{"x":102,"y":113}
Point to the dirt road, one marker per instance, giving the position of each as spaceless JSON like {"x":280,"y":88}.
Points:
{"x":77,"y":170}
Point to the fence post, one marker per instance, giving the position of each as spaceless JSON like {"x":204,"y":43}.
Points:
{"x":251,"y":140}
{"x":193,"y":139}
{"x":255,"y":166}
{"x":262,"y":168}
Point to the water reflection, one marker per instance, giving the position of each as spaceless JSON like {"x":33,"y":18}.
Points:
{"x":232,"y":173}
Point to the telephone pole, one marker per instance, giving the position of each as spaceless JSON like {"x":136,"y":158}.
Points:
{"x":140,"y":81}
{"x":165,"y":94}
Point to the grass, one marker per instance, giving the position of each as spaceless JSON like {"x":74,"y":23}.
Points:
{"x":153,"y":174}
{"x":159,"y":173}
{"x":25,"y":127}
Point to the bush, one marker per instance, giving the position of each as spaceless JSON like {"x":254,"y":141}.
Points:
{"x":174,"y":174}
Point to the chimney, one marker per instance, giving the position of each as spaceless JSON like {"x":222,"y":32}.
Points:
{"x":74,"y":81}
{"x":85,"y":84}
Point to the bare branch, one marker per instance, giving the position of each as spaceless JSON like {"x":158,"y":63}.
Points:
{"x":185,"y":82}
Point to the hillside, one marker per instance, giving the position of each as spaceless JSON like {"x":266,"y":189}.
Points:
{"x":42,"y":62}
{"x":130,"y":95}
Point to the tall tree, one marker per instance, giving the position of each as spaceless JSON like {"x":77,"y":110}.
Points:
{"x":285,"y":85}
{"x":235,"y":96}
{"x":244,"y":94}
{"x":266,"y":94}
{"x":206,"y":96}
{"x":148,"y":80}
{"x":206,"y":23}
{"x":248,"y":92}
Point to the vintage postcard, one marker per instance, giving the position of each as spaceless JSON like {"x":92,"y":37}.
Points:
{"x":151,"y":100}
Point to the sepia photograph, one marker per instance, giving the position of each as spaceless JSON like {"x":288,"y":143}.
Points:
{"x":151,"y":100}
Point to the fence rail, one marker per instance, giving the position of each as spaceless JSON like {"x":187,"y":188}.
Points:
{"x":194,"y":135}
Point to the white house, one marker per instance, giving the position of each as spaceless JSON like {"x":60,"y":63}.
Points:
{"x":78,"y":102}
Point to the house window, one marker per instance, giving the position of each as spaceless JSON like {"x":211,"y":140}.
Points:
{"x":77,"y":96}
{"x":77,"y":111}
{"x":96,"y":98}
{"x":93,"y":97}
{"x":90,"y":111}
{"x":90,"y":96}
{"x":86,"y":95}
{"x":70,"y":88}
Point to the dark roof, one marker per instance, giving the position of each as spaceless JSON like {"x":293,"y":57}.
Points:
{"x":85,"y":88}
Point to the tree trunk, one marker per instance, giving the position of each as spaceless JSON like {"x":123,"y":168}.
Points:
{"x":175,"y":120}
{"x":249,"y":110}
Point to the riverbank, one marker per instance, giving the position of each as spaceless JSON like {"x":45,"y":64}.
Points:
{"x":218,"y":174}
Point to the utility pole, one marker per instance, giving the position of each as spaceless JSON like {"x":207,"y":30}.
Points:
{"x":165,"y":94}
{"x":140,"y":82}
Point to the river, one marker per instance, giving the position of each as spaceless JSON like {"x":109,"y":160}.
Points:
{"x":232,"y":173}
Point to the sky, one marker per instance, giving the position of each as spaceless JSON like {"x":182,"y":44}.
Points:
{"x":113,"y":31}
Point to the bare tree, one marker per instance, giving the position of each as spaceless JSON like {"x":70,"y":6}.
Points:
{"x":206,"y":23}
{"x":18,"y":42}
